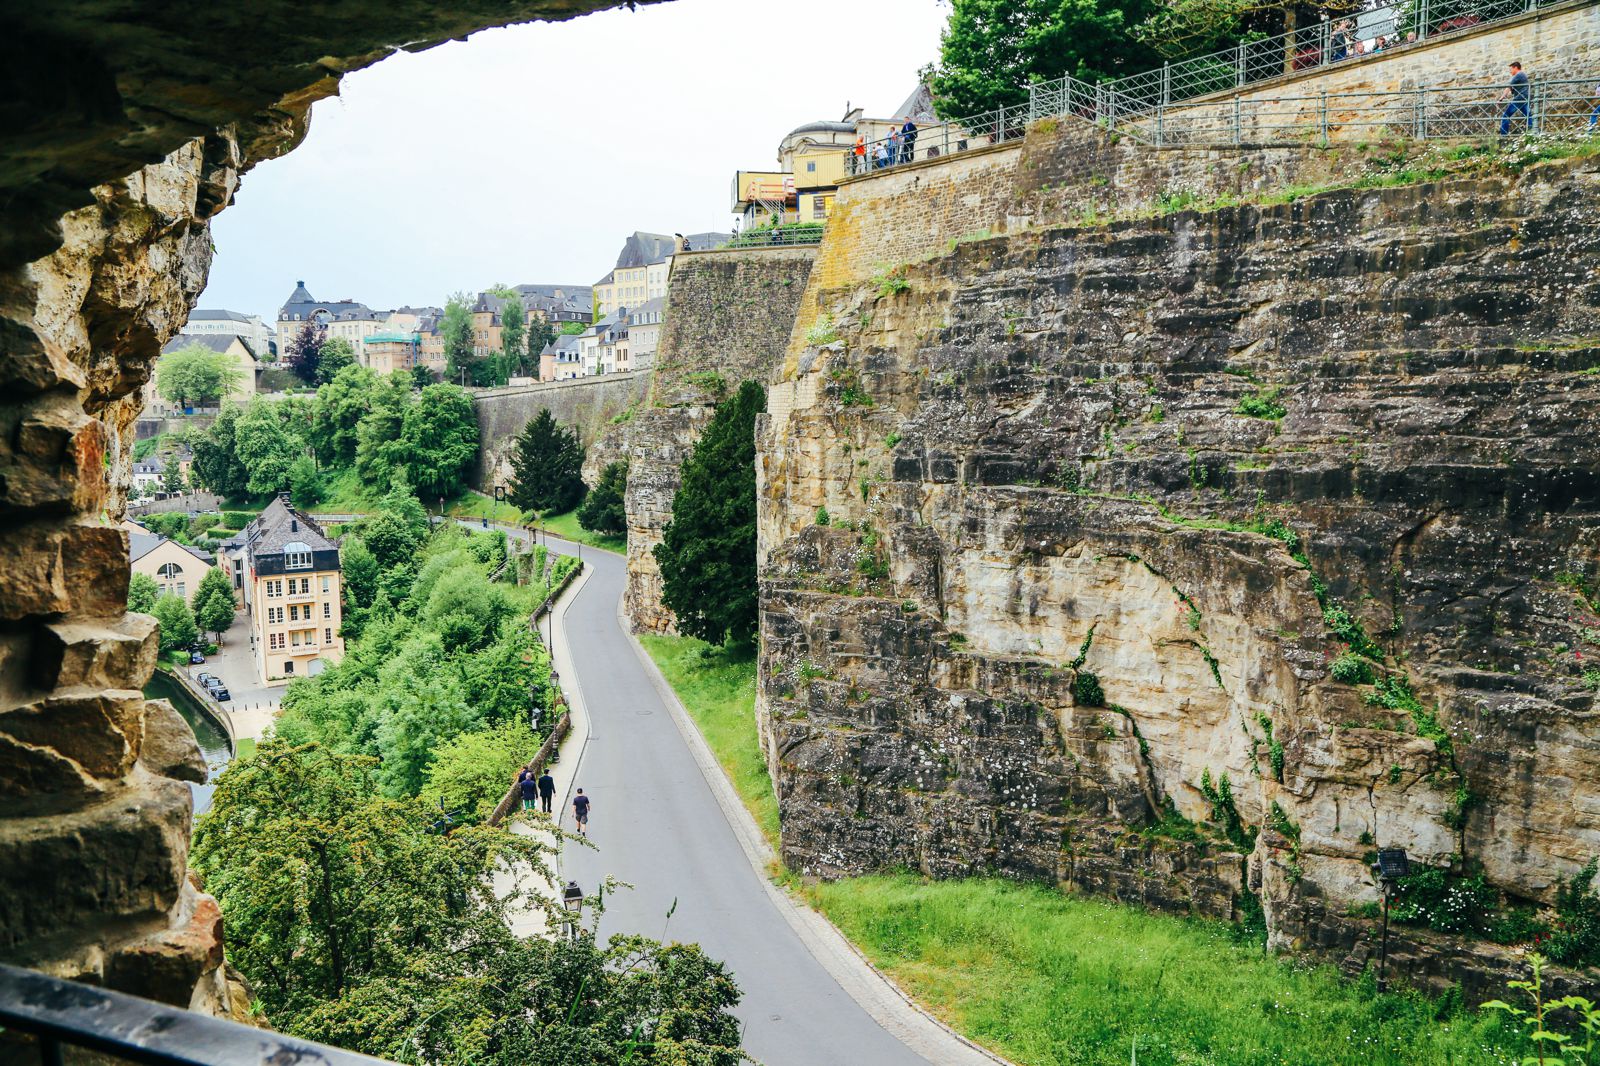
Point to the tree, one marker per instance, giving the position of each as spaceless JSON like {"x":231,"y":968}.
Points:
{"x":335,"y":354}
{"x":603,"y":510}
{"x":707,"y":552}
{"x":177,"y":622}
{"x":216,"y":456}
{"x":358,"y":926}
{"x":547,"y":467}
{"x":455,"y":326}
{"x":303,"y":354}
{"x":305,"y":483}
{"x":422,"y":377}
{"x":142,"y":593}
{"x":513,"y":330}
{"x":265,"y":445}
{"x":213,"y":580}
{"x":380,"y":444}
{"x":440,"y":432}
{"x":539,"y":335}
{"x":992,"y":49}
{"x":214,"y":613}
{"x":172,"y":479}
{"x":471,"y":772}
{"x":196,"y":375}
{"x":340,"y":406}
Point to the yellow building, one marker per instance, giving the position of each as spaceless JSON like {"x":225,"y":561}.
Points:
{"x":388,"y":352}
{"x":643,"y":267}
{"x":293,"y":589}
{"x":244,"y":360}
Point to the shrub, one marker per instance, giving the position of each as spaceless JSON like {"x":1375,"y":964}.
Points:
{"x":1263,"y":404}
{"x":1352,"y":669}
{"x":603,"y":510}
{"x":1087,"y":691}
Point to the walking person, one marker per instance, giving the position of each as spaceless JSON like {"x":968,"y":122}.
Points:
{"x":894,"y":146}
{"x":580,"y":812}
{"x":547,"y":791}
{"x":529,"y":788}
{"x":908,"y":138}
{"x":1518,"y":93}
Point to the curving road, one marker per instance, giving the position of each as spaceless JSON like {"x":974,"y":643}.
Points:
{"x":658,"y":827}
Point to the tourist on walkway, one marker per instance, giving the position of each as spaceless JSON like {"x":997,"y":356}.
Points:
{"x":580,"y":812}
{"x":1517,"y":91}
{"x":530,"y":789}
{"x":1594,"y":116}
{"x":858,"y":161}
{"x":894,"y":146}
{"x":908,"y":137}
{"x":880,"y":156}
{"x":547,"y":791}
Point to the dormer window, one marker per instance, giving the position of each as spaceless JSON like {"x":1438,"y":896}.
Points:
{"x":297,"y":555}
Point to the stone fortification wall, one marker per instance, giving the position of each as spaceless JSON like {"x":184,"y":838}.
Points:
{"x":586,"y":405}
{"x":1111,"y":491}
{"x":729,"y":317}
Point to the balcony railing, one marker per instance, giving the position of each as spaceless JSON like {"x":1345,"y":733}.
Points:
{"x":61,"y":1014}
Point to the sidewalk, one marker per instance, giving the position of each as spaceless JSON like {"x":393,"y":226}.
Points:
{"x":528,"y":921}
{"x":254,"y":706}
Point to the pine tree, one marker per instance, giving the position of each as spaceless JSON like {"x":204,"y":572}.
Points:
{"x":603,"y":511}
{"x":547,"y":467}
{"x":707,"y":552}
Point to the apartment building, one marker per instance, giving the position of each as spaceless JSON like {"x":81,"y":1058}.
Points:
{"x":293,"y":589}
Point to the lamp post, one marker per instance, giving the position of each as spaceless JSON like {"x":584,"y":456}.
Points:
{"x":572,"y":903}
{"x":1392,"y":864}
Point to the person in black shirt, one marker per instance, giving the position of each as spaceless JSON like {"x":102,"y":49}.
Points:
{"x":1518,"y":92}
{"x":547,"y":791}
{"x":529,"y":788}
{"x":580,"y":812}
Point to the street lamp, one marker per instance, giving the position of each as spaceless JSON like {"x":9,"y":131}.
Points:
{"x":1392,"y":864}
{"x":572,"y":903}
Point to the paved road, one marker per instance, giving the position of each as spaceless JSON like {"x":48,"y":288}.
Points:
{"x":659,"y":828}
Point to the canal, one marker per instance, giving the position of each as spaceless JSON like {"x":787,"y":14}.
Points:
{"x":213,"y":741}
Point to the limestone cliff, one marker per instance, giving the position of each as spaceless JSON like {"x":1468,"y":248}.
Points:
{"x":1063,"y":533}
{"x":729,"y":316}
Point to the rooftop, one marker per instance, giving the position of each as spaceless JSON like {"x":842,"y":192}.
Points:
{"x":142,"y":544}
{"x":280,"y":524}
{"x":217,"y":342}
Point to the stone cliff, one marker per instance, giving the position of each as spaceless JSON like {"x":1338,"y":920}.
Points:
{"x":1188,"y":558}
{"x":131,"y":126}
{"x":729,"y":316}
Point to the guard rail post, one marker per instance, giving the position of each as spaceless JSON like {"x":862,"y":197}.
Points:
{"x":1238,"y":135}
{"x":1161,"y":118}
{"x":1422,"y":20}
{"x":1166,"y":83}
{"x":1239,"y":65}
{"x":1322,"y":115}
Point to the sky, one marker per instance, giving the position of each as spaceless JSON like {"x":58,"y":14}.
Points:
{"x":528,"y":154}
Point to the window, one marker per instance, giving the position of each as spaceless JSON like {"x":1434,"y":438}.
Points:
{"x":274,"y":588}
{"x":297,"y":555}
{"x":275,"y":641}
{"x":327,"y":610}
{"x":811,"y":168}
{"x":294,"y":638}
{"x":305,"y":586}
{"x":327,"y":636}
{"x":324,"y":582}
{"x":294,"y":612}
{"x":288,"y":666}
{"x":274,"y":615}
{"x":169,"y":571}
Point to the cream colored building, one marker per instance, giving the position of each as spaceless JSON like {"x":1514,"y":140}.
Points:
{"x":203,"y":322}
{"x":228,"y":344}
{"x":643,"y":267}
{"x":294,"y":593}
{"x":175,"y":568}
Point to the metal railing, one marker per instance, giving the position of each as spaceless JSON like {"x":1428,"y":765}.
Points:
{"x":1328,"y":42}
{"x":1558,"y":107}
{"x":787,"y":235}
{"x":1162,"y":107}
{"x":60,"y":1014}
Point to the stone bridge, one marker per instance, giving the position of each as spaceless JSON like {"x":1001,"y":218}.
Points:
{"x":587,"y":405}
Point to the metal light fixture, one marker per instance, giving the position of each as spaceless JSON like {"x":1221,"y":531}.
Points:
{"x":572,"y":903}
{"x":1392,"y":864}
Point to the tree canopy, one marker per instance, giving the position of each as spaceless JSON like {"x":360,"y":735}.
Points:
{"x":142,"y":593}
{"x":440,"y":434}
{"x":336,"y":354}
{"x":455,"y":328}
{"x":177,"y":622}
{"x":216,"y":455}
{"x":266,"y":443}
{"x":196,"y":375}
{"x":341,"y":405}
{"x":547,"y":467}
{"x":604,"y":510}
{"x":303,"y":352}
{"x":707,"y":552}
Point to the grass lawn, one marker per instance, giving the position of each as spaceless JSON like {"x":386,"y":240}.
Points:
{"x":244,"y":747}
{"x":566,"y":527}
{"x":719,"y":692}
{"x":1046,"y":978}
{"x":476,"y":505}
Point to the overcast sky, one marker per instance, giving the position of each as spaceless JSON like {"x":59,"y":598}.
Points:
{"x":528,"y":154}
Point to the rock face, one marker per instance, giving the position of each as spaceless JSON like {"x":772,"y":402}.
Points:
{"x":125,"y":140}
{"x":1105,"y":505}
{"x":729,"y":316}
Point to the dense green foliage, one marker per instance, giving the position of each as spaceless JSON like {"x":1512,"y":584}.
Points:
{"x":992,"y":49}
{"x":603,"y":510}
{"x":361,"y":927}
{"x":462,"y":365}
{"x":360,"y":425}
{"x":196,"y":375}
{"x":707,"y":552}
{"x":177,"y":622}
{"x":213,"y":602}
{"x":303,"y":352}
{"x":1046,"y":978}
{"x":142,"y":593}
{"x":546,"y":466}
{"x":336,"y":354}
{"x":439,"y":651}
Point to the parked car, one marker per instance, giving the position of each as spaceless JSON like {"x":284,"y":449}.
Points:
{"x":207,"y":680}
{"x":220,"y":694}
{"x":195,"y":658}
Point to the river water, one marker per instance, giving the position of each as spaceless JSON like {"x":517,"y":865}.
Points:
{"x":213,"y":741}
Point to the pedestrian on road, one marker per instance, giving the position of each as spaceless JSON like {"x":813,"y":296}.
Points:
{"x":547,"y":791}
{"x":580,"y":812}
{"x":530,"y":789}
{"x":1517,"y":91}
